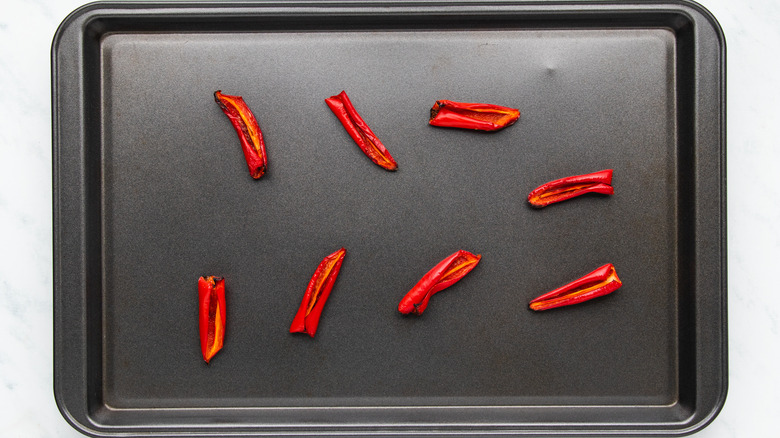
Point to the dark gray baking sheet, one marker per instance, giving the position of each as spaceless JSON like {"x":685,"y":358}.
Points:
{"x":151,"y":191}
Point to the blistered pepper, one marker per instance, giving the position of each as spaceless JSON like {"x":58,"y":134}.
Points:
{"x":248,"y":131}
{"x":571,"y":186}
{"x":360,"y":132}
{"x":480,"y":116}
{"x":600,"y":282}
{"x":308,"y":316}
{"x":443,"y":275}
{"x":211,"y":303}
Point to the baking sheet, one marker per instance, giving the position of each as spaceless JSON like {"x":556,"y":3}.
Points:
{"x":151,"y":191}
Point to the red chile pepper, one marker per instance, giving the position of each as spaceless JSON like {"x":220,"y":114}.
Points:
{"x":569,"y":187}
{"x":211,"y":300}
{"x":600,"y":282}
{"x":308,"y":317}
{"x":249,"y":134}
{"x":442,"y":276}
{"x":359,"y":131}
{"x":481,"y":116}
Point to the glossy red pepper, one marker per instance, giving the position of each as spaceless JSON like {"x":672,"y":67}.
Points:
{"x":308,"y":317}
{"x":211,"y":303}
{"x":571,"y":186}
{"x":446,"y":273}
{"x":600,"y":282}
{"x":480,"y":116}
{"x":248,"y":131}
{"x":359,"y":131}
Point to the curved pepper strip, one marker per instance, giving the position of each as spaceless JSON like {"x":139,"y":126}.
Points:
{"x":446,"y":273}
{"x":248,"y":131}
{"x":360,"y":132}
{"x":307,"y":318}
{"x":600,"y":282}
{"x":211,"y":304}
{"x":480,"y":116}
{"x":571,"y":186}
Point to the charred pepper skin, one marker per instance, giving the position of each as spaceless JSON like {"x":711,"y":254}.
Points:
{"x":307,"y":319}
{"x":212,"y":312}
{"x":602,"y":281}
{"x":570,"y":187}
{"x":360,"y":132}
{"x":248,"y":131}
{"x":479,"y":116}
{"x":446,"y":273}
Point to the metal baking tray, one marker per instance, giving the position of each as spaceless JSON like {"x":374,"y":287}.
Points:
{"x":151,"y":192}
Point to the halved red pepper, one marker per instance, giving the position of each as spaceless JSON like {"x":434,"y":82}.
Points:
{"x":443,"y":275}
{"x":600,"y":282}
{"x":571,"y":186}
{"x":248,"y":131}
{"x":211,"y":303}
{"x":308,"y":317}
{"x":359,"y":131}
{"x":480,"y":116}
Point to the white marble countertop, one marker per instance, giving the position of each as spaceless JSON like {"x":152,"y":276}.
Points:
{"x":27,"y":407}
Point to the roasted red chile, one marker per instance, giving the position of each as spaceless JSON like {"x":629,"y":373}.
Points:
{"x":360,"y":132}
{"x":479,"y":116}
{"x":446,"y":273}
{"x":212,"y":312}
{"x":602,"y":281}
{"x":571,"y":186}
{"x":248,"y":131}
{"x":307,"y":319}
